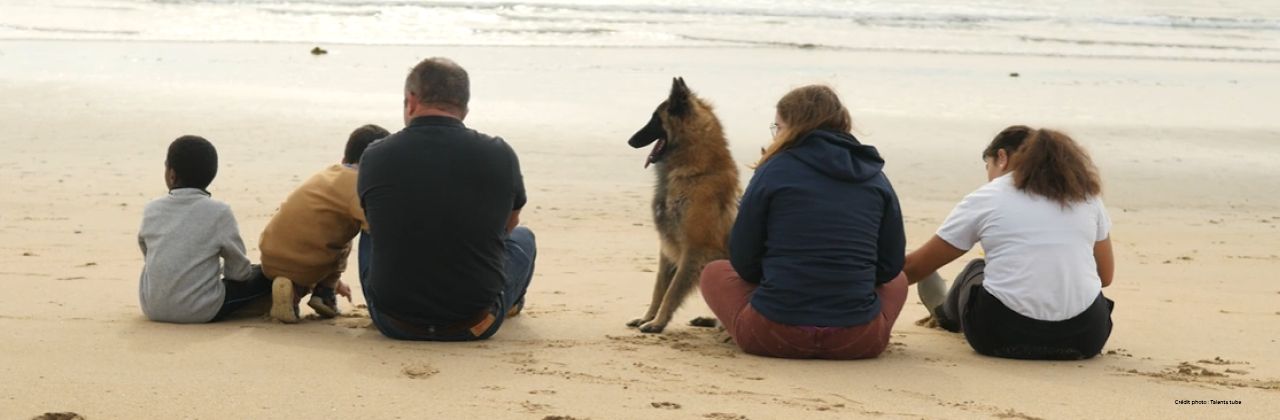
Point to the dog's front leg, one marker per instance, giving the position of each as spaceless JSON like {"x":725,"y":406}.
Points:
{"x":681,"y":285}
{"x":666,"y":270}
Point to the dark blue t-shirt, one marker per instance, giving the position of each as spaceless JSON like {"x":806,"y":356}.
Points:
{"x":438,"y":196}
{"x":818,"y":228}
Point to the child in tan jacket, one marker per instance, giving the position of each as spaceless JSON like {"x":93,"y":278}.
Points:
{"x":306,"y":244}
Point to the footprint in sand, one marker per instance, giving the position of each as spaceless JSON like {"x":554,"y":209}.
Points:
{"x":928,"y":322}
{"x":1221,"y":362}
{"x":895,"y":347}
{"x":521,"y":358}
{"x":1193,"y":373}
{"x":532,"y":407}
{"x":419,"y":371}
{"x":1118,"y":353}
{"x":1014,"y":414}
{"x":352,"y":323}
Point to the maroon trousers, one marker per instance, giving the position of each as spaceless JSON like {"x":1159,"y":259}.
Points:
{"x":730,"y":299}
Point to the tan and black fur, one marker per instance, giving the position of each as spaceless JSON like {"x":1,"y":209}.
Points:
{"x":695,"y":201}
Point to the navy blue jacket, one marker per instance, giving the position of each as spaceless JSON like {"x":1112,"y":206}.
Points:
{"x":818,"y":228}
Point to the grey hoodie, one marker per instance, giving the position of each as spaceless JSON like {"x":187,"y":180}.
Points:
{"x":182,"y":237}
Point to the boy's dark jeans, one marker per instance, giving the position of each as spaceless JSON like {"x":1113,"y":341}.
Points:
{"x":521,"y":252}
{"x":241,"y":293}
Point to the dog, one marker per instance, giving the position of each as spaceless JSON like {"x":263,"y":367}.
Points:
{"x":694,"y":202}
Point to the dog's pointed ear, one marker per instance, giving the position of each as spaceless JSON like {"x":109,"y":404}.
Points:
{"x":680,"y":101}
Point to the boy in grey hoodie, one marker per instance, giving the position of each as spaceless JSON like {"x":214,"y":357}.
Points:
{"x":183,"y":236}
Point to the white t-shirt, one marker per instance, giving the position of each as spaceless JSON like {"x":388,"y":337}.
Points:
{"x":1039,"y":256}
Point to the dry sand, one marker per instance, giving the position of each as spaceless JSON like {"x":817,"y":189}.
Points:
{"x":1187,"y":150}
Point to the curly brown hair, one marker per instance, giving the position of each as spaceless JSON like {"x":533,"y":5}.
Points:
{"x":1052,"y":165}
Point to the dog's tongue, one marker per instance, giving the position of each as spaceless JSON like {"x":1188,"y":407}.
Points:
{"x":657,"y":148}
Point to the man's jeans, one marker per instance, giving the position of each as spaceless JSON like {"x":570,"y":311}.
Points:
{"x":520,"y":255}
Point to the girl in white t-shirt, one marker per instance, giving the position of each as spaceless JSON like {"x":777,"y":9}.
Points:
{"x":1046,"y":237}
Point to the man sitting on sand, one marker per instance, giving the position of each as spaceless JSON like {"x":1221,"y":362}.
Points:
{"x":447,"y":262}
{"x":183,"y":236}
{"x":306,"y":244}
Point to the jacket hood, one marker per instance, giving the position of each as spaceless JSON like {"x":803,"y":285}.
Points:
{"x":838,"y":155}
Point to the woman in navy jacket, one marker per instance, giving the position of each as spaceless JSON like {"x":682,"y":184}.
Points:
{"x":816,"y":253}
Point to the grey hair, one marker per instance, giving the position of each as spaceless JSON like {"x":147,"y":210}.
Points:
{"x":441,"y":83}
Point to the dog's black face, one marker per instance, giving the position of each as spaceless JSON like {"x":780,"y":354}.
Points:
{"x":651,"y":132}
{"x":677,"y":105}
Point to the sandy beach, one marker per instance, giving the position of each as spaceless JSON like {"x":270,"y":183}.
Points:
{"x":1187,"y":150}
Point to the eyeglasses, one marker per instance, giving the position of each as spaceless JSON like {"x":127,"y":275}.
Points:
{"x":773,"y":129}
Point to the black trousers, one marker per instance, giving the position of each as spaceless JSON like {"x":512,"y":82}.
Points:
{"x":995,"y":330}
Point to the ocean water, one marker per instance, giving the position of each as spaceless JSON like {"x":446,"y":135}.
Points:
{"x":1200,"y":30}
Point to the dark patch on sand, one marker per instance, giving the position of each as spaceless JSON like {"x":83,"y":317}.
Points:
{"x":666,"y":405}
{"x":704,"y":322}
{"x":1012,"y":414}
{"x":58,"y":416}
